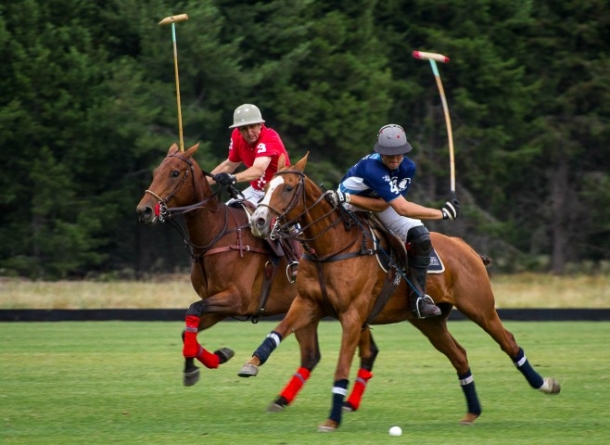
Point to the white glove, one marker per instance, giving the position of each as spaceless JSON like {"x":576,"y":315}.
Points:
{"x":336,"y":197}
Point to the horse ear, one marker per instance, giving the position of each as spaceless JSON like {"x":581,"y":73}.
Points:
{"x":172,"y":149}
{"x":300,"y":166}
{"x":191,"y":151}
{"x":281,"y":162}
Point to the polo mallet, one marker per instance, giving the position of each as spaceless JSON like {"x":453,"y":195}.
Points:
{"x":433,"y":58}
{"x":173,"y":20}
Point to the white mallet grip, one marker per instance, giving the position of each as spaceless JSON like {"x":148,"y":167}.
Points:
{"x":427,"y":56}
{"x":174,"y":19}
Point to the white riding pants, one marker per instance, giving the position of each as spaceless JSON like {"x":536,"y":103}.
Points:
{"x":250,"y":194}
{"x":397,"y":224}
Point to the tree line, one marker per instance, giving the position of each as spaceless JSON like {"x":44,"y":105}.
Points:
{"x":88,"y":109}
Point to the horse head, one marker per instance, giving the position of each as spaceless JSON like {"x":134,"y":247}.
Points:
{"x":291,"y":198}
{"x":177,"y":181}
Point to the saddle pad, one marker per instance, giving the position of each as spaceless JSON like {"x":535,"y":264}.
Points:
{"x":436,"y":264}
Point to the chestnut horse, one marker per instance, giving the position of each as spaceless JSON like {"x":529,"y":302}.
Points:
{"x":233,"y":272}
{"x":340,"y":278}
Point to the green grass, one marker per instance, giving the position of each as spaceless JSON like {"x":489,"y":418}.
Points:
{"x":121,"y":383}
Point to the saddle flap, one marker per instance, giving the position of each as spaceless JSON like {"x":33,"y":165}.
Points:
{"x":397,"y":247}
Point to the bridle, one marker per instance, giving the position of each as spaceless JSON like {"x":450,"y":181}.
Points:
{"x":162,"y":211}
{"x":283,"y":226}
{"x":166,"y":214}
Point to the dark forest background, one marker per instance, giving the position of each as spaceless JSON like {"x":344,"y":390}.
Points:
{"x":88,"y":109}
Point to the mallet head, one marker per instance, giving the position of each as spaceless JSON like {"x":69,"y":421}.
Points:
{"x":174,"y":19}
{"x":427,"y":56}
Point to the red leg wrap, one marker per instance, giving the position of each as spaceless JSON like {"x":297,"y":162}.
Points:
{"x":208,"y":359}
{"x":296,"y":383}
{"x":356,"y":396}
{"x":191,"y":347}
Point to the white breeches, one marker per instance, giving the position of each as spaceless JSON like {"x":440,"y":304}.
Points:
{"x":399,"y":225}
{"x":251,"y":194}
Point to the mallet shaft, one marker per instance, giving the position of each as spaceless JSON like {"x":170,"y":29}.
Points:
{"x":433,"y":58}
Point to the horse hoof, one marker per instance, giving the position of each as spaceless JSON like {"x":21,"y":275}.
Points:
{"x":275,"y":408}
{"x":348,"y":408}
{"x":469,"y":419}
{"x":550,"y":386}
{"x":248,"y":370}
{"x":224,"y":354}
{"x":328,"y":427}
{"x":191,"y":377}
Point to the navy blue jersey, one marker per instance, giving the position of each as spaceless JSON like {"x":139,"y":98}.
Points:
{"x":370,"y":177}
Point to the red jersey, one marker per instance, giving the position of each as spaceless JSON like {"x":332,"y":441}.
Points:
{"x":268,"y":144}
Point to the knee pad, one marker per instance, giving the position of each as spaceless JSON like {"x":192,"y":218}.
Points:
{"x":419,"y":237}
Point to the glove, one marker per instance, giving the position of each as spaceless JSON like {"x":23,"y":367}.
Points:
{"x":225,"y":179}
{"x":336,"y":197}
{"x":451,"y":209}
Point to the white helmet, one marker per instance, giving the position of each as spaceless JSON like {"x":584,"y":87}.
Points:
{"x":392,"y":141}
{"x":246,"y":114}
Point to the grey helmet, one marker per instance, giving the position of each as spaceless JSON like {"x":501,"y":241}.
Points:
{"x":392,"y":141}
{"x":246,"y":114}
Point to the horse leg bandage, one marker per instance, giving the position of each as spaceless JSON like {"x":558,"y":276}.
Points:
{"x":534,"y":379}
{"x":208,"y":359}
{"x":191,"y":347}
{"x":295,"y":384}
{"x":339,"y":392}
{"x":272,"y":341}
{"x":470,"y":392}
{"x":361,"y":381}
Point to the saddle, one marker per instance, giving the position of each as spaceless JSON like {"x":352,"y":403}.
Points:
{"x":400,"y":250}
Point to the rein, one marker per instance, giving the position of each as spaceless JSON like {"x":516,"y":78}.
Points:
{"x":165,"y":213}
{"x":283,"y":225}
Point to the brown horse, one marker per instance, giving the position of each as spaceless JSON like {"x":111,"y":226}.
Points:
{"x":233,"y":272}
{"x":341,"y":278}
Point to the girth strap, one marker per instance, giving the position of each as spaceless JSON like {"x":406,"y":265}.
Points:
{"x":389,"y":286}
{"x":240,"y":247}
{"x":269,"y":275}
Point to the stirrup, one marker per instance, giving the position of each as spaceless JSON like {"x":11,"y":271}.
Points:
{"x":426,"y":299}
{"x":291,"y":271}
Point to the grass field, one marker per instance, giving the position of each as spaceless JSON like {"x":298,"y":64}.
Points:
{"x":120,"y":383}
{"x":511,"y":291}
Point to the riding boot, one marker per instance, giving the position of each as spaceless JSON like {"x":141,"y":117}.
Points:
{"x":420,"y":304}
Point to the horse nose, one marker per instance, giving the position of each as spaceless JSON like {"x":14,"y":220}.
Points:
{"x":260,"y":225}
{"x":145,"y":214}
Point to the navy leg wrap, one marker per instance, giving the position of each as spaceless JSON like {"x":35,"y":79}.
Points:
{"x":472,"y":400}
{"x":534,"y":379}
{"x":339,"y":393}
{"x":272,"y":341}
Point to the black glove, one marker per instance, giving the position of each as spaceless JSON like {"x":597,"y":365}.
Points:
{"x":451,"y":209}
{"x":225,"y":178}
{"x":336,"y":197}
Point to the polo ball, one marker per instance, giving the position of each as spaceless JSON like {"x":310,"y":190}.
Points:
{"x":396,"y":431}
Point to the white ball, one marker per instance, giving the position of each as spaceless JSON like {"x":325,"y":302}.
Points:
{"x":396,"y":431}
